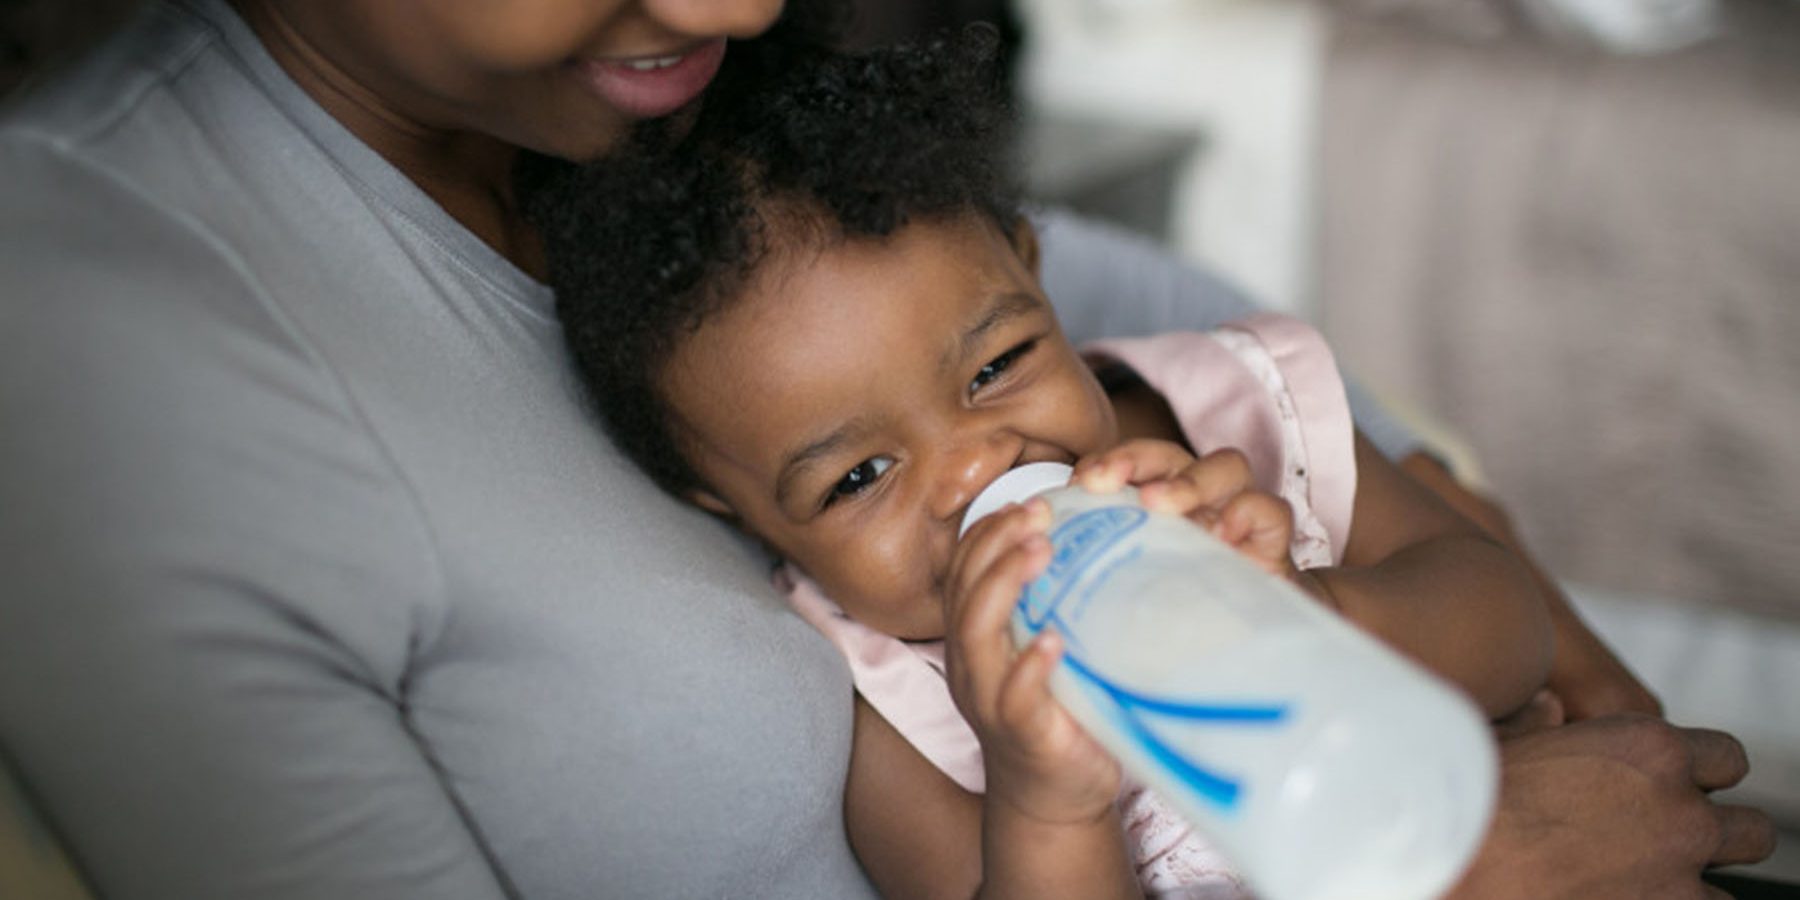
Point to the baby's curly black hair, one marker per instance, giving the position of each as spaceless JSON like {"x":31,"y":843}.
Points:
{"x":824,"y":146}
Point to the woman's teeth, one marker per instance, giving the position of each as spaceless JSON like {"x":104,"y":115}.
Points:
{"x":651,"y":65}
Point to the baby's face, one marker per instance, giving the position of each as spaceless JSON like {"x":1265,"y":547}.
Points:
{"x":852,"y":401}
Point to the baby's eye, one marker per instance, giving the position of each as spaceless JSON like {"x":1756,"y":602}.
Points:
{"x":1001,"y":363}
{"x":859,"y":478}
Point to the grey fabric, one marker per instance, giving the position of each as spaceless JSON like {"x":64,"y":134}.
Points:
{"x":319,"y":579}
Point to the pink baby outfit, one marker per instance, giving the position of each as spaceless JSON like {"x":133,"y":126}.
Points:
{"x":1267,"y":386}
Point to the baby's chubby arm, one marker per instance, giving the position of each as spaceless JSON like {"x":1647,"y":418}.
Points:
{"x":1430,"y":582}
{"x":1415,"y":573}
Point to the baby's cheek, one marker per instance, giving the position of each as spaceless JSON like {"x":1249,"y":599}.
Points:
{"x":885,"y":581}
{"x":1099,"y":429}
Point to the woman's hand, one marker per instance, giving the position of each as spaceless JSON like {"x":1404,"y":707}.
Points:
{"x":1039,"y":761}
{"x":1216,"y":491}
{"x":1615,"y":807}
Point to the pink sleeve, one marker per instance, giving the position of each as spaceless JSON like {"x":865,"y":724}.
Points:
{"x":1269,"y":387}
{"x":902,"y":680}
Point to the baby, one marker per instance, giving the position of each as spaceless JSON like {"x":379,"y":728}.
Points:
{"x":818,"y":317}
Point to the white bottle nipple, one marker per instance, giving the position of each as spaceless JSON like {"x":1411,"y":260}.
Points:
{"x":1017,"y":486}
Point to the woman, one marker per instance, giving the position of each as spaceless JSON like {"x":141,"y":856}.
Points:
{"x":320,"y":581}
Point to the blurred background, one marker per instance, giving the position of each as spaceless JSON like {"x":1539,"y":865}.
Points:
{"x":1563,"y":236}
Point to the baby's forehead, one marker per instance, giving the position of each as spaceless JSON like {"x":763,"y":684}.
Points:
{"x":817,"y":327}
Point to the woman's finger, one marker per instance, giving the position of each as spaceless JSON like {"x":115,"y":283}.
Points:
{"x":1543,"y":710}
{"x":1717,"y":760}
{"x":1746,"y":835}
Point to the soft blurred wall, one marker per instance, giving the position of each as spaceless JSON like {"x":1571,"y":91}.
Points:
{"x":1589,"y":264}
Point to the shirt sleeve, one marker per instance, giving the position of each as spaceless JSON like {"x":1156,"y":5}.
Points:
{"x":1267,"y":386}
{"x":1107,"y":282}
{"x":215,"y":585}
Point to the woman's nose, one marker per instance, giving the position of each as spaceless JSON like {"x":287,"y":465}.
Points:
{"x":730,"y":18}
{"x":968,"y":466}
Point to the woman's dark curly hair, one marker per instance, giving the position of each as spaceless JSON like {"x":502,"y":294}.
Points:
{"x":821,"y":146}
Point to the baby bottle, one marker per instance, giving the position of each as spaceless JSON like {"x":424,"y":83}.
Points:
{"x":1323,"y":764}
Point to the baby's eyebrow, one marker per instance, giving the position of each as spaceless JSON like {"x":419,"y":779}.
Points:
{"x":999,"y":309}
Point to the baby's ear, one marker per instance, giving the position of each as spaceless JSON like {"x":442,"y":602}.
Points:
{"x":1025,"y":243}
{"x":712,"y":503}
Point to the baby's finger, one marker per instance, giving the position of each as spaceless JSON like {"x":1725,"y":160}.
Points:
{"x":991,"y":537}
{"x":1261,"y":527}
{"x":1024,"y":706}
{"x":1206,"y":484}
{"x":1133,"y":462}
{"x":978,"y":646}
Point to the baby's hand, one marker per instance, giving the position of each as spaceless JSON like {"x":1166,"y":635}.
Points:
{"x":1215,"y":491}
{"x":1038,"y":759}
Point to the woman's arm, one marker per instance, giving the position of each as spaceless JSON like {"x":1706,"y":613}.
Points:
{"x":1434,"y":585}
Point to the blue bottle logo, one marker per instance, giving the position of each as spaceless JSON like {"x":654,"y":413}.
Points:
{"x":1080,"y":542}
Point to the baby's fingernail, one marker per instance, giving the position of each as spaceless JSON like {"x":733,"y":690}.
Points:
{"x":1103,"y":477}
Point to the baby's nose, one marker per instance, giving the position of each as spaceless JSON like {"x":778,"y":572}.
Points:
{"x":968,"y":468}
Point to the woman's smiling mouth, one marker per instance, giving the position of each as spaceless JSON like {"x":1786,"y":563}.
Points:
{"x":649,"y":87}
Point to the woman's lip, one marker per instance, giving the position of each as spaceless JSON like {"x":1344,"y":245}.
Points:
{"x":649,"y":87}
